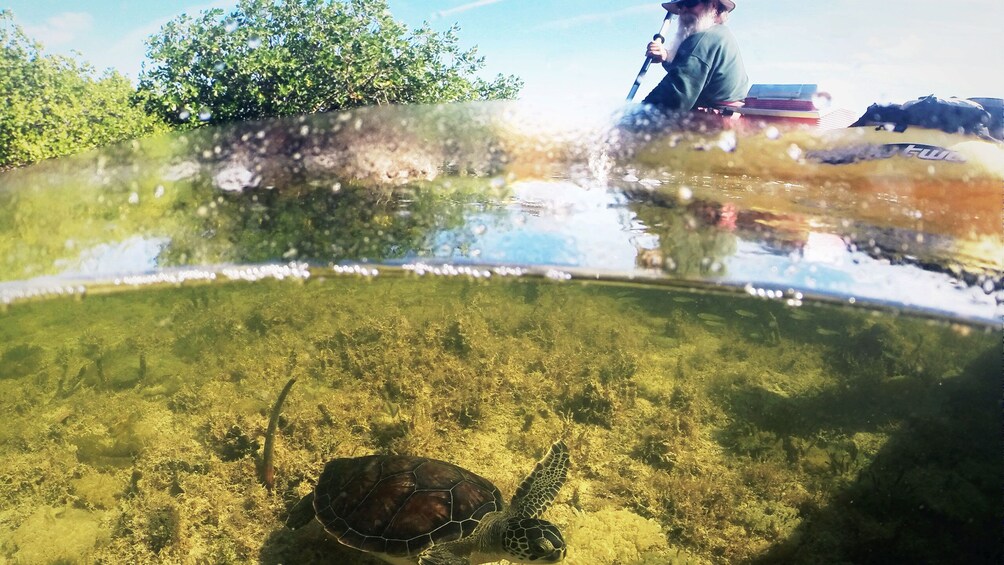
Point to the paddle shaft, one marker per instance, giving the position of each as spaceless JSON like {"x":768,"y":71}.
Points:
{"x":661,"y":36}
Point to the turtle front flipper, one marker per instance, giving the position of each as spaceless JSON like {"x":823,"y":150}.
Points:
{"x":302,"y":513}
{"x":538,"y":490}
{"x":438,"y":555}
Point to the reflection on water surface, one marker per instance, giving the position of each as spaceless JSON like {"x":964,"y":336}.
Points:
{"x":463,"y":184}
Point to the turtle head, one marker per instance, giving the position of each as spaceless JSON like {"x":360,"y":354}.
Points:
{"x":529,"y":540}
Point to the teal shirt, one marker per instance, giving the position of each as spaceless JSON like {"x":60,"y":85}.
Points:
{"x":707,"y":70}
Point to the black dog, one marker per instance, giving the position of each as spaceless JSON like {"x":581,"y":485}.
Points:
{"x":953,"y":116}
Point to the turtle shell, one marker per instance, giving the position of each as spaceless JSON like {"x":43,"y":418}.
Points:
{"x":399,"y":505}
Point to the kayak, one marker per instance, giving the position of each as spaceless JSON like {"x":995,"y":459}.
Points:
{"x":788,"y":131}
{"x":870,"y":155}
{"x":895,"y":174}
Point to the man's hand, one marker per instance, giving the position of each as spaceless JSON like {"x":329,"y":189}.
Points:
{"x":657,"y":52}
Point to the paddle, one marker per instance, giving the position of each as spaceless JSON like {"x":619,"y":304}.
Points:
{"x":661,"y":36}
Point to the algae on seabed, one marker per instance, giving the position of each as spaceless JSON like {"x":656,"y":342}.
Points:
{"x":703,"y":428}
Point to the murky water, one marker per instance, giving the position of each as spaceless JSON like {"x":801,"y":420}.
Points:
{"x":745,"y":369}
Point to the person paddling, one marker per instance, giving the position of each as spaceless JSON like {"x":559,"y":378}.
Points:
{"x":704,"y":69}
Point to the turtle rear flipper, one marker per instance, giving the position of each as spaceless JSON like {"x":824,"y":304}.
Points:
{"x":302,"y":513}
{"x":541,"y":486}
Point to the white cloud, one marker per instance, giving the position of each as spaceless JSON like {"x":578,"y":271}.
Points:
{"x":585,"y":19}
{"x":61,"y":29}
{"x":465,"y":7}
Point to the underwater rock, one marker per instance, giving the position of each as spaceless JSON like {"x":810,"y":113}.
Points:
{"x":79,"y":533}
{"x":101,"y":451}
{"x":99,"y":490}
{"x":610,"y":536}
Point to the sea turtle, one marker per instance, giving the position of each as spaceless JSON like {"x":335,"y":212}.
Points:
{"x":408,"y":510}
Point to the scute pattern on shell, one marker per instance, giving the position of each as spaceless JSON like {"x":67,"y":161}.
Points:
{"x":398,"y":505}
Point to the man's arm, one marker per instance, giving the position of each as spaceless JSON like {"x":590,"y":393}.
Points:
{"x":682,"y":85}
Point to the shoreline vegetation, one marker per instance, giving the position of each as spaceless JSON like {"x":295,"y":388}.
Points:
{"x":702,"y":428}
{"x":264,"y":59}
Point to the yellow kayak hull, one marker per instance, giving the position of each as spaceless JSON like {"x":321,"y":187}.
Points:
{"x":862,"y":154}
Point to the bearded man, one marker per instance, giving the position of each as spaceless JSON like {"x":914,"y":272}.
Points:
{"x":704,"y":68}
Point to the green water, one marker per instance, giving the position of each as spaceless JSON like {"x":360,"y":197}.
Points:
{"x":703,"y":427}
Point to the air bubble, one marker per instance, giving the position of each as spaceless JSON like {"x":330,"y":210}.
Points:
{"x":795,"y":152}
{"x":821,"y":100}
{"x":727,"y":141}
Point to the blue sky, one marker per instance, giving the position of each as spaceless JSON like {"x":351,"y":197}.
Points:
{"x":584,"y":54}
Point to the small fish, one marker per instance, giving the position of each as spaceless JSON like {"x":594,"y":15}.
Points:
{"x":745,"y":313}
{"x":714,"y":318}
{"x":683,"y":300}
{"x":824,"y":331}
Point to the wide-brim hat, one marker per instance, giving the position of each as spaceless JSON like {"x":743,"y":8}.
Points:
{"x":672,"y":7}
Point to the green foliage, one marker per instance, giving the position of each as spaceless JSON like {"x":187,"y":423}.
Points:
{"x":54,"y":105}
{"x":269,"y":59}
